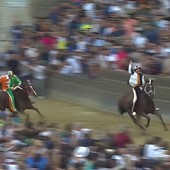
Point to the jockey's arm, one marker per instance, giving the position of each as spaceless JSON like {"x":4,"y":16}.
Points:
{"x":17,"y":81}
{"x":130,"y":70}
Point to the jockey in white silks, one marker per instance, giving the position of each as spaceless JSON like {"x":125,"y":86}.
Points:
{"x":136,"y":81}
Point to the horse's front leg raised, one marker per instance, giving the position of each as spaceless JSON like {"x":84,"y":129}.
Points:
{"x":34,"y":108}
{"x":136,"y":121}
{"x":148,"y":119}
{"x":27,"y":117}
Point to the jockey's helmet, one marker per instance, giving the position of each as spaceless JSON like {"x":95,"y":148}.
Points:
{"x":137,"y":67}
{"x":10,"y":73}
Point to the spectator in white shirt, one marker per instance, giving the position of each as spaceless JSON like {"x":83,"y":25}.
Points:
{"x":165,"y":50}
{"x":89,"y":7}
{"x":75,"y":61}
{"x":162,"y":23}
{"x":139,"y":40}
{"x":101,"y":59}
{"x":76,"y":130}
{"x":31,"y":52}
{"x":53,"y":62}
{"x":165,"y":6}
{"x":66,"y":68}
{"x":81,"y":44}
{"x":152,"y":150}
{"x":26,"y":73}
{"x":39,"y":77}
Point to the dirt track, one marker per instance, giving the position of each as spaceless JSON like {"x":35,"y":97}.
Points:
{"x":63,"y":113}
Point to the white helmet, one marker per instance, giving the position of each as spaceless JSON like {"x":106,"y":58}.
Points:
{"x":10,"y":73}
{"x":137,"y":67}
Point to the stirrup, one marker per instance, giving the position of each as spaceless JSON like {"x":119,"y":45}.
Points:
{"x":157,"y":109}
{"x":134,"y":113}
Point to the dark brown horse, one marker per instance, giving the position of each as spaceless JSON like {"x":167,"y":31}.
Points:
{"x":143,"y":106}
{"x":22,"y":100}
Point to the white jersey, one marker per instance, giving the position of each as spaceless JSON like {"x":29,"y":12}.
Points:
{"x":135,"y":79}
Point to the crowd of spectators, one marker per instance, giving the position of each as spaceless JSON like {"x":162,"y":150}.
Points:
{"x":41,"y":146}
{"x":84,"y":36}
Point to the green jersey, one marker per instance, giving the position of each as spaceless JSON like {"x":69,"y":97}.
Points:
{"x":14,"y":81}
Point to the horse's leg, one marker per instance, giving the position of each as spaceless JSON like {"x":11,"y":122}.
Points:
{"x":138,"y":118}
{"x":136,"y":121}
{"x":162,"y":121}
{"x":148,"y":119}
{"x":26,"y":115}
{"x":34,"y":108}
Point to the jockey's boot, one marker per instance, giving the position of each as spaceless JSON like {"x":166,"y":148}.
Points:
{"x":134,"y":113}
{"x":157,"y":108}
{"x":15,"y":114}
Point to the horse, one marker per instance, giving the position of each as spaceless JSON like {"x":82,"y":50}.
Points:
{"x":144,"y":105}
{"x":22,"y":100}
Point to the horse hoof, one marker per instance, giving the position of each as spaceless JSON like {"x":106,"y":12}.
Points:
{"x":146,"y":126}
{"x":143,"y":132}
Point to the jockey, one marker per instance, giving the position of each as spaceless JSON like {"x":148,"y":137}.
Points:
{"x":136,"y":81}
{"x":9,"y":82}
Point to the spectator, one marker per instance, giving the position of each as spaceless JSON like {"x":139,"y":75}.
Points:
{"x":76,"y":130}
{"x":39,"y":162}
{"x":89,"y":7}
{"x":53,"y":61}
{"x":14,"y":64}
{"x":31,"y":53}
{"x":66,"y":68}
{"x":87,"y":141}
{"x":48,"y":41}
{"x":53,"y":16}
{"x":152,"y":35}
{"x":123,"y":138}
{"x":75,"y":62}
{"x":139,"y":40}
{"x":17,"y":32}
{"x":61,"y":43}
{"x":127,"y":21}
{"x":39,"y":77}
{"x":26,"y":73}
{"x":122,"y":59}
{"x":152,"y":149}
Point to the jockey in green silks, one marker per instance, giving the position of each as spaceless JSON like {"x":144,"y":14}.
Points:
{"x":12,"y":83}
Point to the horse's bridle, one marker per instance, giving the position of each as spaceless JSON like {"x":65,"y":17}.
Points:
{"x":150,"y":91}
{"x":26,"y":89}
{"x":18,"y":87}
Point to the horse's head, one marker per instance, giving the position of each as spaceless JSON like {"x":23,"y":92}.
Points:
{"x":27,"y":86}
{"x":149,"y":88}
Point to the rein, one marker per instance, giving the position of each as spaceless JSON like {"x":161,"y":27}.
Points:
{"x":150,"y":91}
{"x":18,"y":87}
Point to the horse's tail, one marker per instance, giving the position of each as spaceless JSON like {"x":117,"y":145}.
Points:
{"x":120,"y":108}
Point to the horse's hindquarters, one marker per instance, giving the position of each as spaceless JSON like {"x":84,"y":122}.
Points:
{"x":125,"y":103}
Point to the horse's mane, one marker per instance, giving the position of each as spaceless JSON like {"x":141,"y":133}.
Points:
{"x":149,"y":88}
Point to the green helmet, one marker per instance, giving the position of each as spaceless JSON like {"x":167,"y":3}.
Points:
{"x":10,"y":73}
